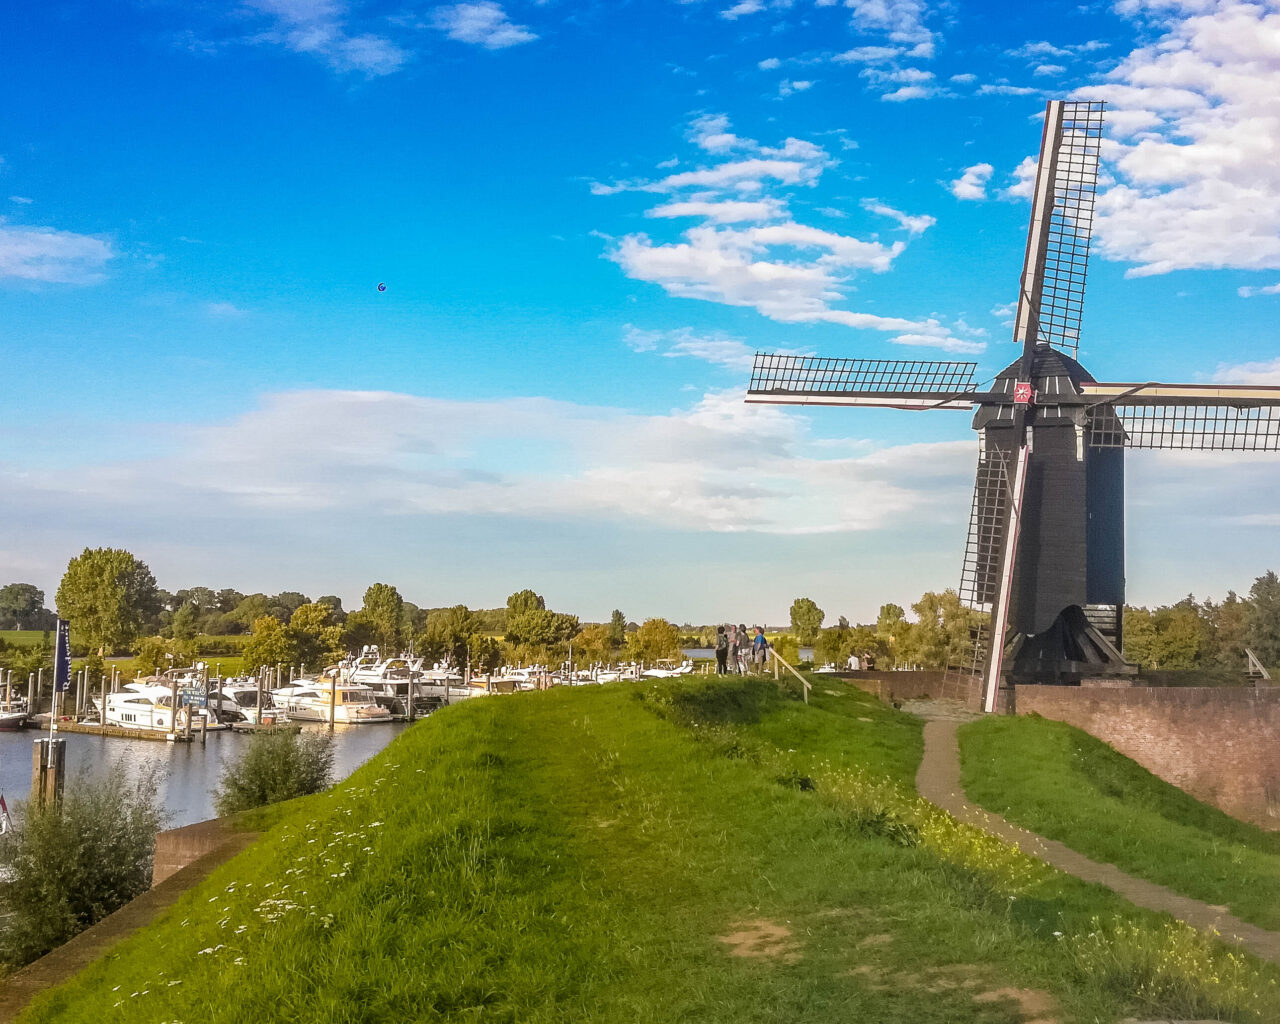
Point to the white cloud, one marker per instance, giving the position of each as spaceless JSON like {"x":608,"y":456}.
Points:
{"x":318,"y":27}
{"x":785,"y":270}
{"x":1000,"y":89}
{"x":769,"y":64}
{"x":966,"y":79}
{"x":483,"y":23}
{"x":742,"y":8}
{"x":915,"y":224}
{"x":1248,"y":292}
{"x":1196,"y":140}
{"x":908,"y":92}
{"x":901,"y":20}
{"x":224,"y":310}
{"x":718,"y":466}
{"x":868,"y":55}
{"x":711,"y":132}
{"x":1048,"y":69}
{"x":729,"y":353}
{"x":972,"y":184}
{"x":52,"y":256}
{"x":728,"y":211}
{"x":1005,"y":313}
{"x":22,"y":200}
{"x":1249,"y":373}
{"x":1024,"y":179}
{"x":947,"y":344}
{"x":786,"y":87}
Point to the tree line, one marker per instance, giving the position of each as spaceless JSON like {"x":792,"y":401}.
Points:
{"x":115,"y":607}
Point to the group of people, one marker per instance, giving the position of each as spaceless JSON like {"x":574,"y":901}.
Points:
{"x":740,"y":651}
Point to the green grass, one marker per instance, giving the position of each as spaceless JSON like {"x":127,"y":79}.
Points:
{"x":23,"y":637}
{"x":1063,"y":783}
{"x":583,"y":855}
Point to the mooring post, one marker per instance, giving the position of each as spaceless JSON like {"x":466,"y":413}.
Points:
{"x":102,"y":708}
{"x":333,"y":700}
{"x":48,"y":764}
{"x":173,"y":708}
{"x":258,"y":720}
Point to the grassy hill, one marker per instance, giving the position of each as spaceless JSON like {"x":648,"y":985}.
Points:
{"x":1063,"y":783}
{"x":709,"y":851}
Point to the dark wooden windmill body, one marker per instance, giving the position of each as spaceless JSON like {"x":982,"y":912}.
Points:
{"x":1044,"y":555}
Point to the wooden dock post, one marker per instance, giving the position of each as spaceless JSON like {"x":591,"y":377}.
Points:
{"x":48,"y":768}
{"x":102,"y":708}
{"x":39,"y":687}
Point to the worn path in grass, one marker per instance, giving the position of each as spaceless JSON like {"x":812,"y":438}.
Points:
{"x":938,"y":781}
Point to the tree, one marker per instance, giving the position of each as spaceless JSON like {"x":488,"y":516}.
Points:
{"x":20,"y":606}
{"x":183,"y":623}
{"x":832,"y":647}
{"x":228,"y":599}
{"x":72,"y":863}
{"x":1262,"y":621}
{"x":447,"y":634}
{"x":384,"y":612}
{"x":654,"y":640}
{"x":252,"y":608}
{"x":594,"y":644}
{"x":272,"y":644}
{"x":1229,"y":621}
{"x":335,"y":603}
{"x":316,"y":636}
{"x":617,"y":628}
{"x":806,"y":620}
{"x":106,"y":594}
{"x":153,"y":654}
{"x":287,"y":602}
{"x":942,"y":634}
{"x":525,"y":601}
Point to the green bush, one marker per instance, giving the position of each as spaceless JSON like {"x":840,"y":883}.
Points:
{"x":275,"y":766}
{"x":68,"y":866}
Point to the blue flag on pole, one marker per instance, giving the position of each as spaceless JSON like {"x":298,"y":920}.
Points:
{"x":62,"y":658}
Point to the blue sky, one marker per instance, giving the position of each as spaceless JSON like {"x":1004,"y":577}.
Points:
{"x":586,"y":217}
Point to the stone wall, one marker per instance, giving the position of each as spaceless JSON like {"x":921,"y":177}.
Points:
{"x":1220,"y":744}
{"x":925,"y":683}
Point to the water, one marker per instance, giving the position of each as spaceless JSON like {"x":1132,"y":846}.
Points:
{"x":187,"y":773}
{"x":806,"y":653}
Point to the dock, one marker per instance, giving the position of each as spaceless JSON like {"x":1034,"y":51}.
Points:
{"x":251,"y":727}
{"x":128,"y":734}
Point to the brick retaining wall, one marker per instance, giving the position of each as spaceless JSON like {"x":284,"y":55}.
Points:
{"x":1220,"y":744}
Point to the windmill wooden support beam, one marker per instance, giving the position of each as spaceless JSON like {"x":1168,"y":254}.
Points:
{"x":1044,"y":553}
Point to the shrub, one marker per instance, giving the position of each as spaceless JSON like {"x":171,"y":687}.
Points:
{"x":68,"y":866}
{"x":275,"y":766}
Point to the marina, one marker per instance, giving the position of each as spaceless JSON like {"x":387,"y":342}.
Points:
{"x":188,"y":773}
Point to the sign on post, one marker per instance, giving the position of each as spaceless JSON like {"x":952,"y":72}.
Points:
{"x":62,"y":658}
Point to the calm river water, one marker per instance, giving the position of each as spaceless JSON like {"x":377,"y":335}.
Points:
{"x":187,"y":772}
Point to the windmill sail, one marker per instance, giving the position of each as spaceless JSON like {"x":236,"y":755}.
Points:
{"x":891,"y":383}
{"x":1051,"y":299}
{"x":1194,"y":417}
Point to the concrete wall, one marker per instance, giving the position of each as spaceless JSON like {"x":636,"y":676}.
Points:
{"x":1220,"y":744}
{"x":178,"y":847}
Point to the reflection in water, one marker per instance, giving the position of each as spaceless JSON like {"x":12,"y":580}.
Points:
{"x":186,"y":773}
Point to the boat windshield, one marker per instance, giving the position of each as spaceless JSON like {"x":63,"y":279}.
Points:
{"x":357,"y":696}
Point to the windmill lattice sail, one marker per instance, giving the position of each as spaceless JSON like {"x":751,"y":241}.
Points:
{"x":894,"y":383}
{"x":1051,"y":304}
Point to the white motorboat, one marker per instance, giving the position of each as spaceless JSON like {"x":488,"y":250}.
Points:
{"x":141,"y":705}
{"x":668,"y":669}
{"x":236,"y":700}
{"x":329,"y":700}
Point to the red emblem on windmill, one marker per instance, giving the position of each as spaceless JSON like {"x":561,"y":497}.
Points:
{"x":1023,"y":393}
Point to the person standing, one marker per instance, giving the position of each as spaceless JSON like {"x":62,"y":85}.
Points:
{"x":722,"y":651}
{"x":758,"y":647}
{"x":744,"y":645}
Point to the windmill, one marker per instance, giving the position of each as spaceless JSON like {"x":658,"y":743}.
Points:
{"x":1044,"y":555}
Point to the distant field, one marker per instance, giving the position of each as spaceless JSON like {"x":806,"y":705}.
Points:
{"x":21,"y":637}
